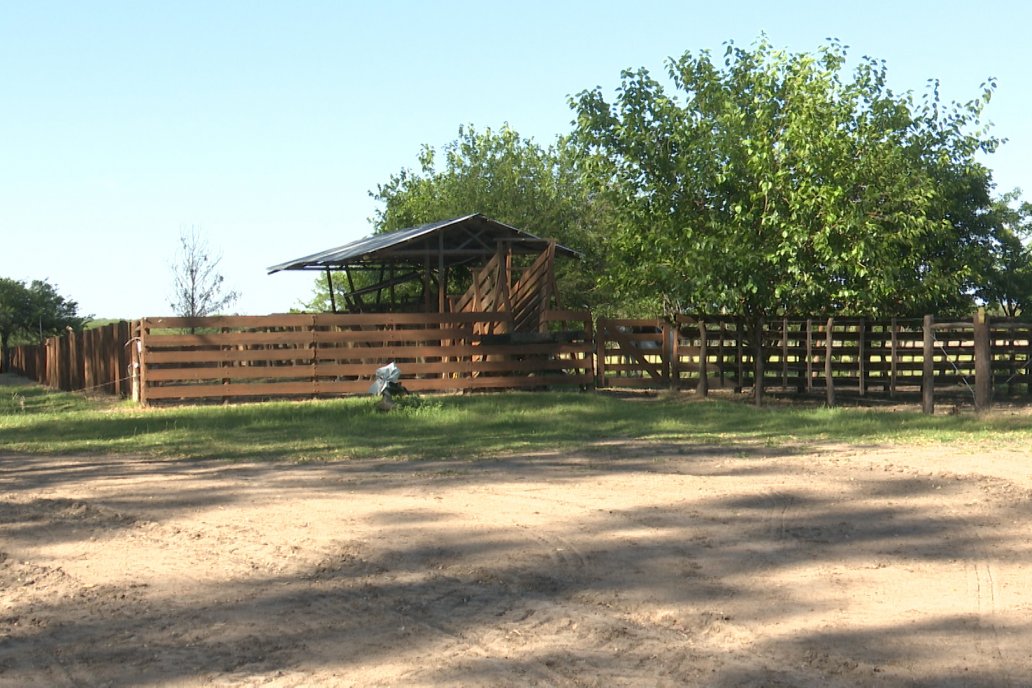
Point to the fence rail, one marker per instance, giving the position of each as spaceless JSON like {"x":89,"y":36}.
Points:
{"x":254,"y":357}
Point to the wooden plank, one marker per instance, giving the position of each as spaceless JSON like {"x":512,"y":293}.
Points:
{"x":263,"y":372}
{"x":233,"y":355}
{"x":371,"y":336}
{"x":615,"y":382}
{"x":450,"y":367}
{"x":528,"y":381}
{"x":232,"y":321}
{"x":319,"y":320}
{"x":167,"y":341}
{"x":928,"y":367}
{"x":256,"y":389}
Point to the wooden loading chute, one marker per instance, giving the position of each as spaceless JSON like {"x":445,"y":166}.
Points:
{"x":467,"y":264}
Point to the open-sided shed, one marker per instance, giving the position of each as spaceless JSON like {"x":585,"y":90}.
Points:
{"x":471,"y":264}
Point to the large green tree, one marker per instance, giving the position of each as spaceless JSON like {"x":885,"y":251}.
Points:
{"x":1006,"y":281}
{"x":508,"y":178}
{"x":775,"y":182}
{"x":30,"y":313}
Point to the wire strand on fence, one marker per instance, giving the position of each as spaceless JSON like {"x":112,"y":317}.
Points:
{"x":1021,"y":369}
{"x":956,"y":369}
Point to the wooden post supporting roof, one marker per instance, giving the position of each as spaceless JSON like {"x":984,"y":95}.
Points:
{"x":329,"y":284}
{"x":430,"y":255}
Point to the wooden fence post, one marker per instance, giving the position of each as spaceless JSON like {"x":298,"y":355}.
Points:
{"x":983,"y":362}
{"x":739,"y":355}
{"x":90,"y":372}
{"x":784,"y":352}
{"x":1028,"y":363}
{"x":122,"y":357}
{"x":829,"y":379}
{"x":670,"y":334}
{"x":809,"y":354}
{"x":861,"y":357}
{"x":703,"y":387}
{"x":600,"y":353}
{"x":141,"y":356}
{"x":720,"y":354}
{"x":586,"y":357}
{"x":928,"y":367}
{"x":893,"y":364}
{"x":758,"y":362}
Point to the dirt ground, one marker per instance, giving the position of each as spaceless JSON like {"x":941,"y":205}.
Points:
{"x":622,"y":564}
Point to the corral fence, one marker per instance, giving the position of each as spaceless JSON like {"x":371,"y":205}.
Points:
{"x":322,"y":355}
{"x":801,"y":355}
{"x":93,"y":360}
{"x":973,"y":359}
{"x":228,"y":358}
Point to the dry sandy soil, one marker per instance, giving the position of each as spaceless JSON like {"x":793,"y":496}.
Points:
{"x":622,"y":564}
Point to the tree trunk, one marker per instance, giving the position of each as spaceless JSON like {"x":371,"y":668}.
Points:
{"x":5,"y":354}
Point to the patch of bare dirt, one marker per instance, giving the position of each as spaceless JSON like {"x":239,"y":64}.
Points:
{"x":623,"y":564}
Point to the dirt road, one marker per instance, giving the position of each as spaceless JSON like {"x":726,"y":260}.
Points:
{"x":624,"y":564}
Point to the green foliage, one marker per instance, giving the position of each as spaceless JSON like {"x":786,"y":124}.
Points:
{"x":30,"y":313}
{"x":1006,"y":284}
{"x":507,"y":178}
{"x":772,"y":183}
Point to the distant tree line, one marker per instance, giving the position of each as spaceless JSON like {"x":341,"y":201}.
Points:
{"x":761,"y":183}
{"x":29,"y":313}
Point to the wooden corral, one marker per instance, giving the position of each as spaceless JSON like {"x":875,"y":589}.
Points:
{"x":256,"y":357}
{"x":865,"y":357}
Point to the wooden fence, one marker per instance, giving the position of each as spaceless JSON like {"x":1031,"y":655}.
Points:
{"x":94,"y":360}
{"x":977,"y":358}
{"x":258,"y":357}
{"x":317,"y":355}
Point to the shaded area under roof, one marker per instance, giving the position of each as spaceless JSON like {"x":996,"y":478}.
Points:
{"x":457,"y":241}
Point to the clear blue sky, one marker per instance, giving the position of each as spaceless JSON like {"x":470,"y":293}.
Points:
{"x":265,"y":124}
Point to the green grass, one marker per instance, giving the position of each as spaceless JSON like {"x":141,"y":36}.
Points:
{"x":460,"y":427}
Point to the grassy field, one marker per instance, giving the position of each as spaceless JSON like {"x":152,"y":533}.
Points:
{"x":34,"y":420}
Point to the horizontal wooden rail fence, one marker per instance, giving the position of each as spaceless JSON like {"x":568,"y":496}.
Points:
{"x":276,"y":356}
{"x":318,"y":355}
{"x":977,"y":357}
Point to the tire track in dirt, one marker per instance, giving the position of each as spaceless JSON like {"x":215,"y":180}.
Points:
{"x":448,"y":621}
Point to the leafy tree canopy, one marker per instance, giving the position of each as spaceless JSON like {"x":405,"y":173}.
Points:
{"x":508,"y":178}
{"x":30,"y":313}
{"x":771,"y":182}
{"x":1006,"y":283}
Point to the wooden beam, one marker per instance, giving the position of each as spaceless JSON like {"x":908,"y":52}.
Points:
{"x":329,"y":284}
{"x":983,"y":362}
{"x":928,"y":367}
{"x":829,"y":380}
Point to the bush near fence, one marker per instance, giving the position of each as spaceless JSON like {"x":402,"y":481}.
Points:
{"x":257,"y":357}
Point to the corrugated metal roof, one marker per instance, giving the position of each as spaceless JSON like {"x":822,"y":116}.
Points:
{"x":369,"y":246}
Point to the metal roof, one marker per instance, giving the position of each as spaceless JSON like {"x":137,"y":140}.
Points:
{"x":481,"y":235}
